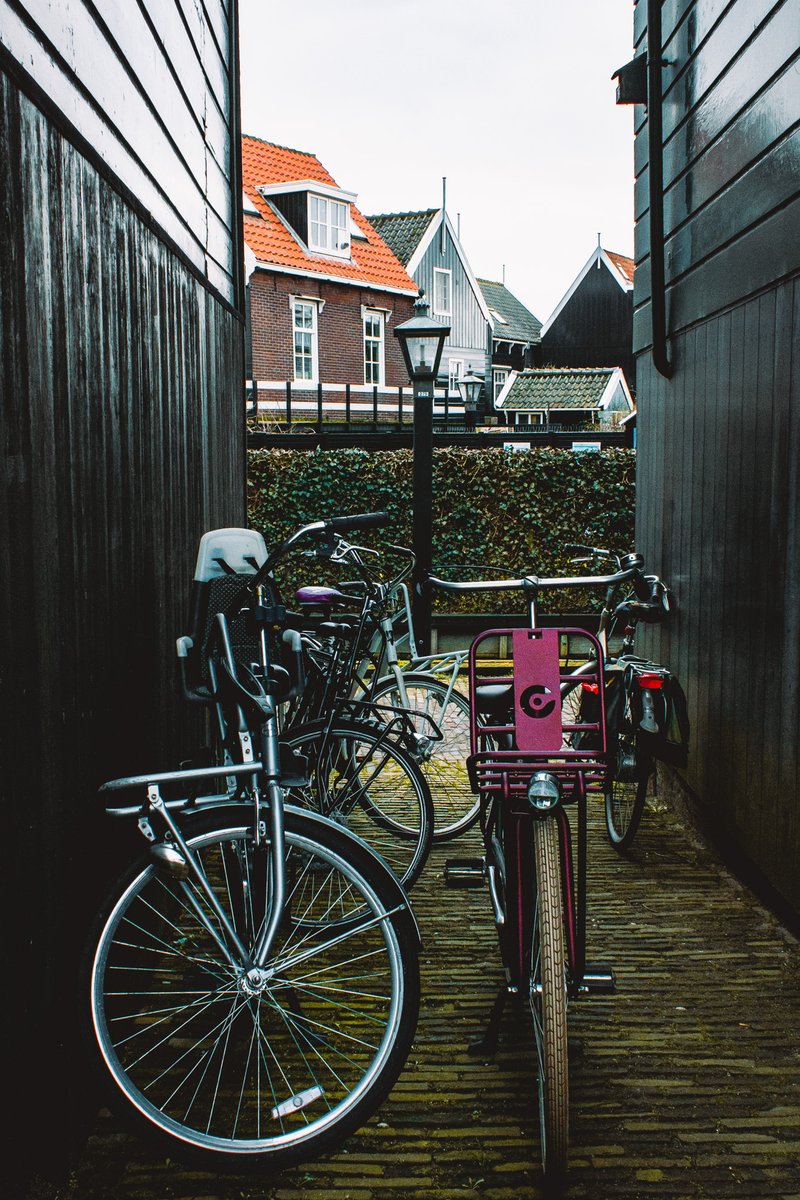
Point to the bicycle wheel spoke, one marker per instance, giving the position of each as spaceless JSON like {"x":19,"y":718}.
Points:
{"x":266,"y":1060}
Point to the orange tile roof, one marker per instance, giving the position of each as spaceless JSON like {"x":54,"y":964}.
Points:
{"x":624,"y":265}
{"x":372,"y":261}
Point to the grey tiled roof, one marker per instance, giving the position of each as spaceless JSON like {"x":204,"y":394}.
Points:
{"x":403,"y":232}
{"x":520,"y":325}
{"x":549,"y":388}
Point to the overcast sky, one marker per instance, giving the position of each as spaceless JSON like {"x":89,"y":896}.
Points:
{"x":511,"y":100}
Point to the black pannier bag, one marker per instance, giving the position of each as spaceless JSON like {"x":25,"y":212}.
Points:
{"x":656,"y":708}
{"x":645,"y":701}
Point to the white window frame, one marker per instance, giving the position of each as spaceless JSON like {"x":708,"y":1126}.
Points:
{"x":309,"y":332}
{"x":447,"y":274}
{"x":370,"y":315}
{"x":499,"y":380}
{"x":328,"y":225}
{"x":455,"y":371}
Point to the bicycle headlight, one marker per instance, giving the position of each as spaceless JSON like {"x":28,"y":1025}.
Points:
{"x":544,"y":791}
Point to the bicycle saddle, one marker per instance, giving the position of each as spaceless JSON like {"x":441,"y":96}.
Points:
{"x":321,"y":597}
{"x":648,"y":611}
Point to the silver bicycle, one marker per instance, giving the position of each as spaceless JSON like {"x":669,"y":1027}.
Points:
{"x":254,"y":979}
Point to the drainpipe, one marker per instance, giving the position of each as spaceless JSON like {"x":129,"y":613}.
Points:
{"x":655,"y":155}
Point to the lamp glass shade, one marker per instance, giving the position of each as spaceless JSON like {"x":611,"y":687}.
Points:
{"x":470,"y":388}
{"x":422,"y":340}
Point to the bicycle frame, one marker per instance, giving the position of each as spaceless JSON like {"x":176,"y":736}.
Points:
{"x":502,"y":776}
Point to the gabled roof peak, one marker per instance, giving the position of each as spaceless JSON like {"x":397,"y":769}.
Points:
{"x":619,"y":267}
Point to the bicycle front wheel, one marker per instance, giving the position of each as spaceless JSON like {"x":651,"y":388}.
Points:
{"x":443,"y":763}
{"x":273,"y":1070}
{"x":625,"y":799}
{"x":366,"y":782}
{"x":548,"y":999}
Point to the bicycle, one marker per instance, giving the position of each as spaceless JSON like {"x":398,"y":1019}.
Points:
{"x":636,"y":690}
{"x":362,"y":771}
{"x":421,"y":690}
{"x":528,"y":775}
{"x":254,"y":981}
{"x":630,"y":680}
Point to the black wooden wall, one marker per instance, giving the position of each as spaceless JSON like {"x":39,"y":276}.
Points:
{"x":594,"y":329}
{"x":122,"y":440}
{"x":718,"y":488}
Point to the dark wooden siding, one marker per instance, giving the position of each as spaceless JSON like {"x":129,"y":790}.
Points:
{"x":594,"y":329}
{"x":121,"y":434}
{"x":719,"y":442}
{"x":294,"y":207}
{"x":149,"y":86}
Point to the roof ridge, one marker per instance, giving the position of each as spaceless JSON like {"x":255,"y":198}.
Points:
{"x":555,"y":370}
{"x":278,"y":146}
{"x":420,"y":212}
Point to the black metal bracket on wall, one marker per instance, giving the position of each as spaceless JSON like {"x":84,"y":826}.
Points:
{"x":639,"y":82}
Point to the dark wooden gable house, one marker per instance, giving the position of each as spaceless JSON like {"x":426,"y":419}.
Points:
{"x":592,"y":324}
{"x":717,"y":299}
{"x":121,"y":426}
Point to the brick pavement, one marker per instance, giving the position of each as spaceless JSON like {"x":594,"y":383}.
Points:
{"x":685,"y":1083}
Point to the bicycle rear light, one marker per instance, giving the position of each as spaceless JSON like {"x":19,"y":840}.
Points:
{"x":544,"y":791}
{"x":650,"y":681}
{"x":593,"y":688}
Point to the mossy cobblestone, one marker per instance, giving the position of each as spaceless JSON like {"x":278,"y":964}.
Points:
{"x":685,"y":1083}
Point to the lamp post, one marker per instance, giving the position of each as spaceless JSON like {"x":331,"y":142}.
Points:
{"x":422,"y":341}
{"x":470,"y":388}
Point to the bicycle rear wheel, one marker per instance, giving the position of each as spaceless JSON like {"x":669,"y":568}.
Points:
{"x":365,"y":781}
{"x":625,"y":796}
{"x":548,"y":999}
{"x":443,"y":763}
{"x":236,"y":1072}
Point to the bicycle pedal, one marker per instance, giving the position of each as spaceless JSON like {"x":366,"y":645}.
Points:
{"x":598,"y":979}
{"x":464,"y":873}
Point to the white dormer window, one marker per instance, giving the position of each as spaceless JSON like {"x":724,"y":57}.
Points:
{"x":328,"y":226}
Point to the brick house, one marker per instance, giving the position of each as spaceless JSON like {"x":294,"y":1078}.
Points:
{"x":324,"y":290}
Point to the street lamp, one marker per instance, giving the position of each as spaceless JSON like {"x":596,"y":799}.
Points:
{"x":422,"y":341}
{"x":470,"y":387}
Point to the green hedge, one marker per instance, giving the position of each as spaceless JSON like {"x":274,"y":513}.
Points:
{"x":515,"y":510}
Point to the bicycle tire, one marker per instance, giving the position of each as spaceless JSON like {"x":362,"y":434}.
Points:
{"x":548,"y":1000}
{"x":369,"y":784}
{"x":238,"y":1080}
{"x":443,"y":763}
{"x":624,"y":805}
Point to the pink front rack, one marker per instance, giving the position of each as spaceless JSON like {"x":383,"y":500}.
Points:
{"x":518,"y":723}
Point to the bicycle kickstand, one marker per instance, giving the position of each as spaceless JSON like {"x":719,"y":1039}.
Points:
{"x":487,"y":1045}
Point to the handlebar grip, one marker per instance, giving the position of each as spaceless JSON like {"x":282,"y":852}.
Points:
{"x":358,"y":521}
{"x":642,"y":588}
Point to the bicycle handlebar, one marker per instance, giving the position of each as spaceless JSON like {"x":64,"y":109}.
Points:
{"x":530,"y":583}
{"x":370,"y":520}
